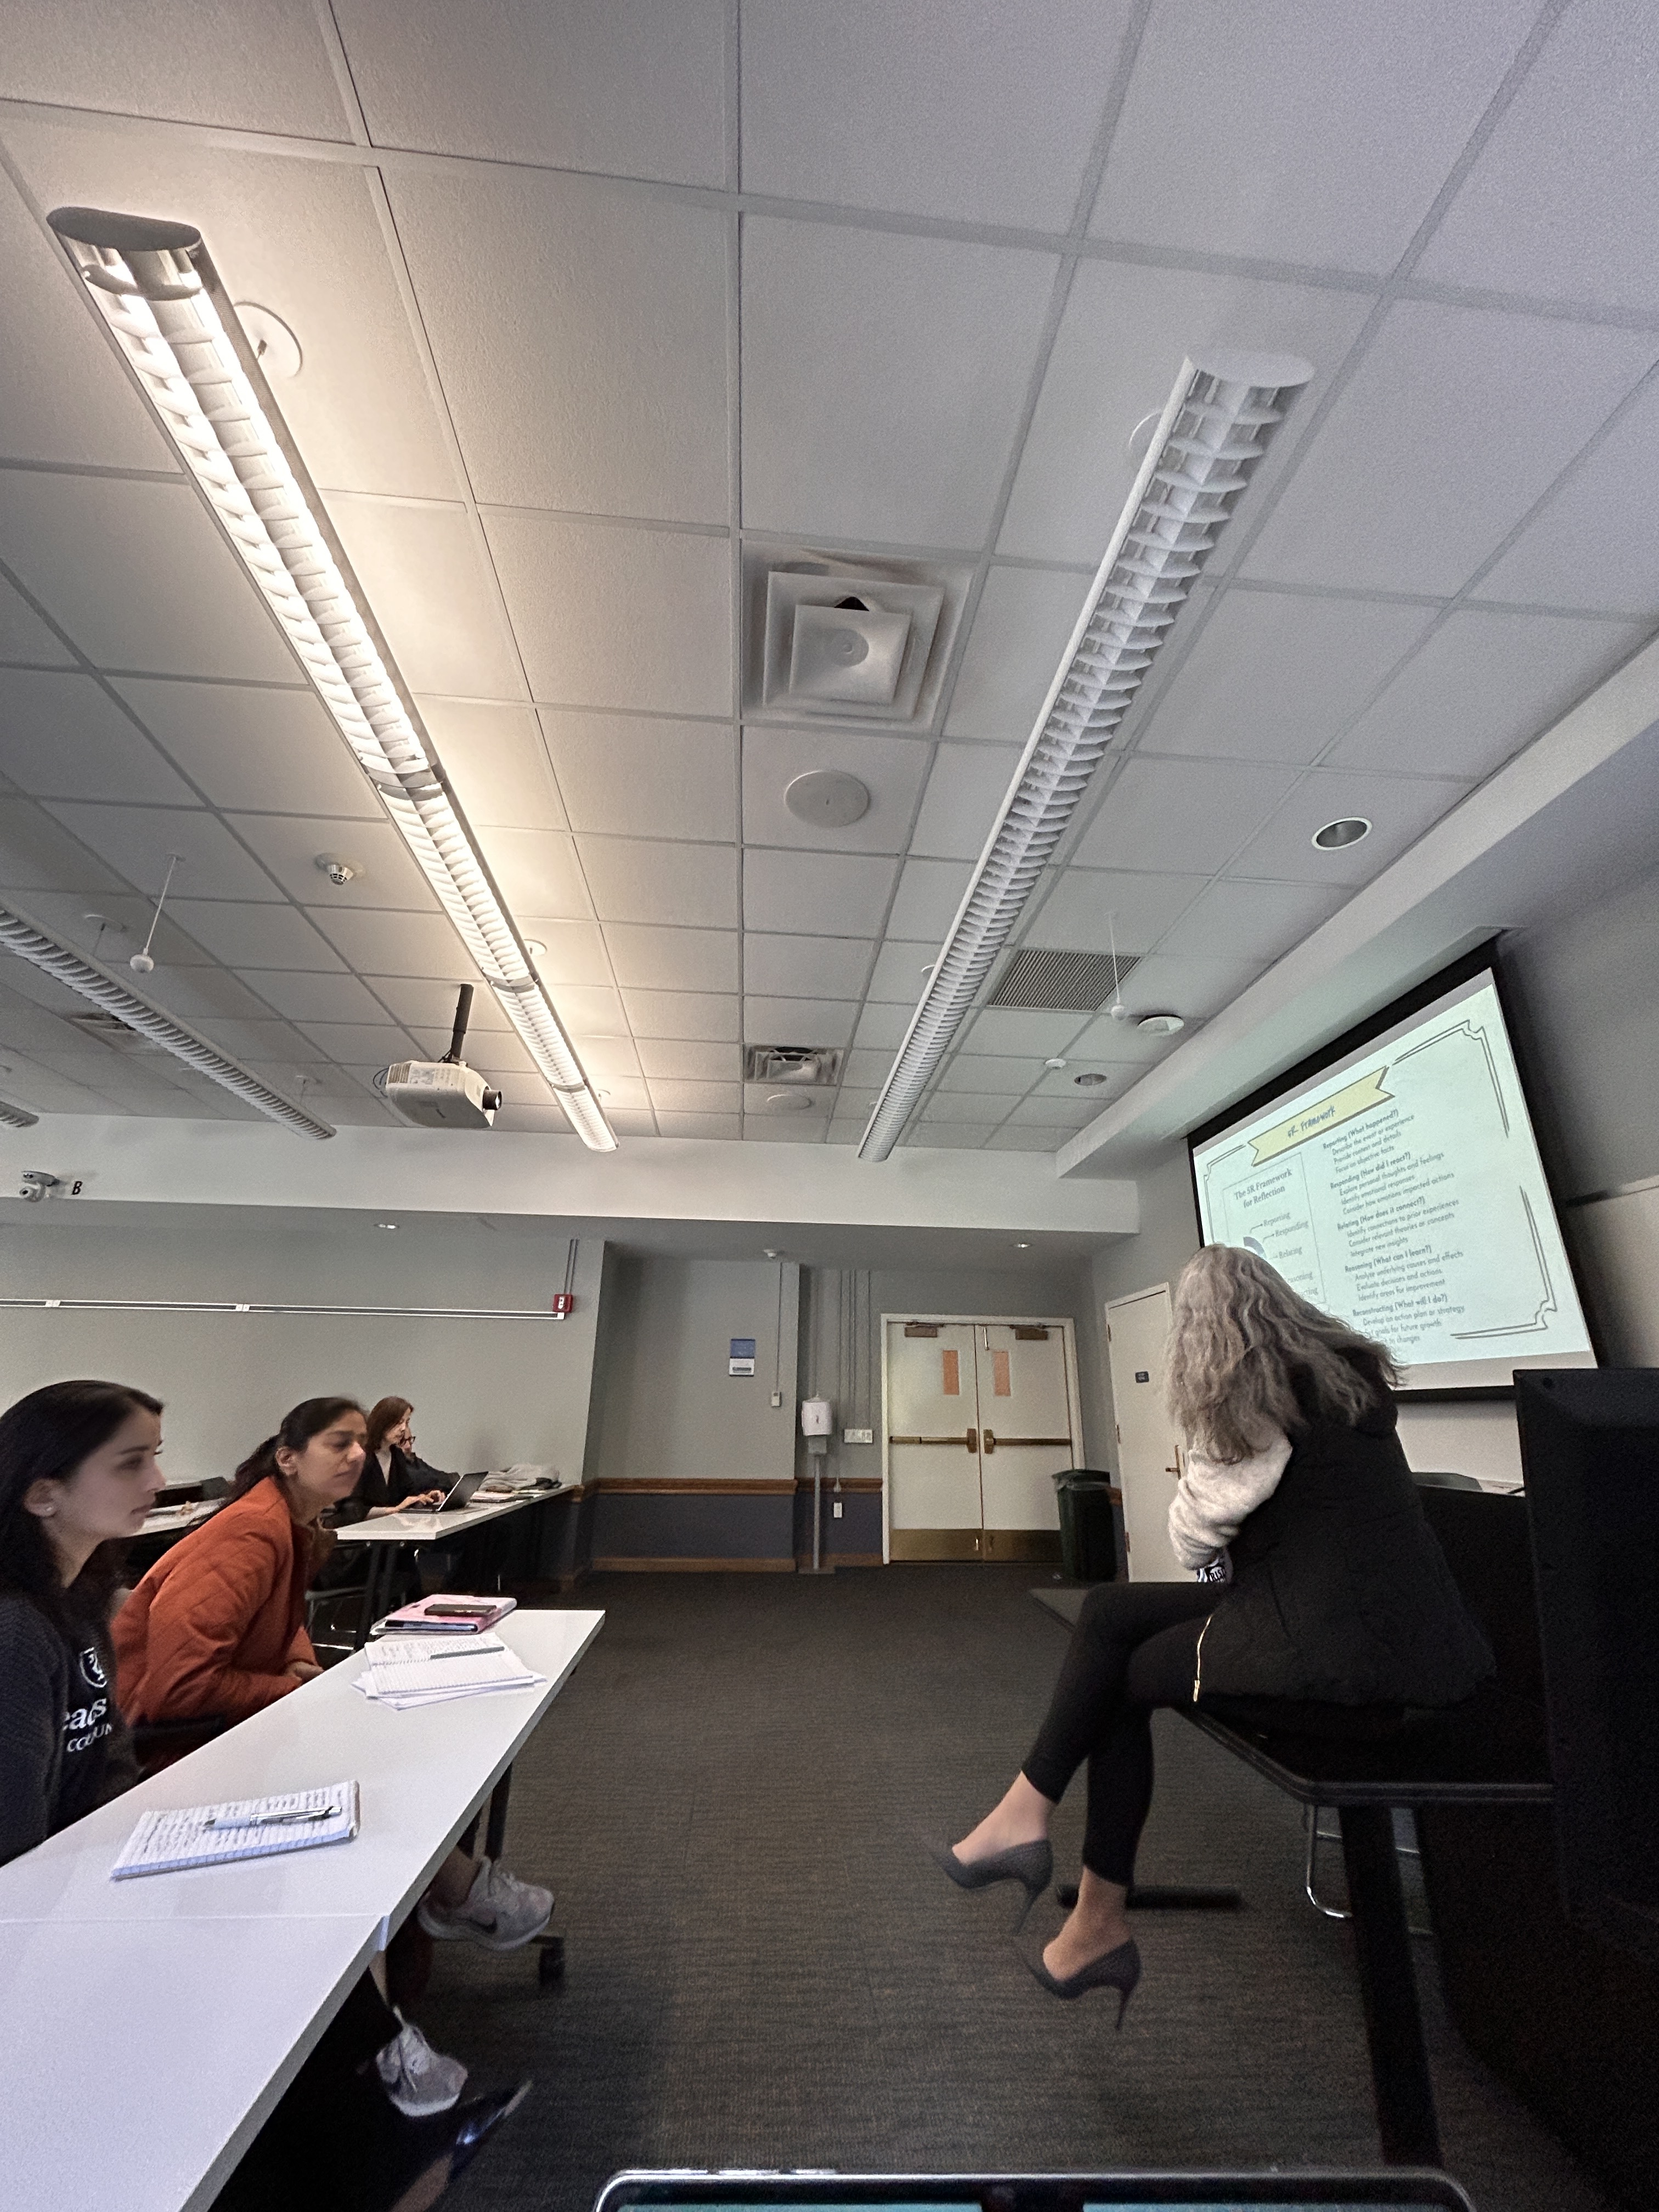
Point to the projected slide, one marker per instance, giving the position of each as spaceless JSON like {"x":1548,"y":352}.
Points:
{"x":1402,"y":1190}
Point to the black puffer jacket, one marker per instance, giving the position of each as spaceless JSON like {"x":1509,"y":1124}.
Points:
{"x":1341,"y":1593}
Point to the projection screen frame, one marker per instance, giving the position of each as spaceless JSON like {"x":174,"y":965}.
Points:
{"x":1482,"y":959}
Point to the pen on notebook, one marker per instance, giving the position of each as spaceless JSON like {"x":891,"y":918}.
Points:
{"x":272,"y":1820}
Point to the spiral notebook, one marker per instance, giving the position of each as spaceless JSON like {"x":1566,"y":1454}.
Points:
{"x":240,"y":1828}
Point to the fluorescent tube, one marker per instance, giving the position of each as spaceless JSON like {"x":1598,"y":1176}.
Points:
{"x":40,"y":946}
{"x":1209,"y":442}
{"x":162,"y":299}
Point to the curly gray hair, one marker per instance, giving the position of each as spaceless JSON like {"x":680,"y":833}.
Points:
{"x":1240,"y":1340}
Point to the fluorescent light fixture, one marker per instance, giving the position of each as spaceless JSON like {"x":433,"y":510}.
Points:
{"x":15,"y":1117}
{"x":1208,"y":443}
{"x":104,"y":989}
{"x":162,"y":299}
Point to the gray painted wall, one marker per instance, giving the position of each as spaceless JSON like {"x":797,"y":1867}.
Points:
{"x":486,"y":1392}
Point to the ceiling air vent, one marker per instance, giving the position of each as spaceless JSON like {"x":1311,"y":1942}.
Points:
{"x":111,"y":1029}
{"x":1068,"y":983}
{"x":840,"y":638}
{"x":810,"y":1067}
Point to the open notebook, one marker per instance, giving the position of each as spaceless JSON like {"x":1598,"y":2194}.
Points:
{"x":245,"y":1828}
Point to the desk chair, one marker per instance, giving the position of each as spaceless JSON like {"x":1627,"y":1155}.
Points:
{"x":157,"y":1744}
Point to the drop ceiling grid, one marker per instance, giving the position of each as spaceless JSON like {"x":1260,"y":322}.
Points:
{"x":732,"y":199}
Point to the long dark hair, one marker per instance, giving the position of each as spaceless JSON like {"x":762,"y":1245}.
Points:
{"x":385,"y":1416}
{"x":299,"y":1425}
{"x":45,"y":1437}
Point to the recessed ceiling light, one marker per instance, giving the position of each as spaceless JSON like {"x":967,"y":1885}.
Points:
{"x":769,"y":1252}
{"x":385,"y":1224}
{"x":1056,"y":1064}
{"x":1335,"y":835}
{"x":1090,"y":1080}
{"x":1161,"y":1024}
{"x":1019,"y":1247}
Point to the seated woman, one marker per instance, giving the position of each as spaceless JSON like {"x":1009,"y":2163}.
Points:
{"x":394,"y":1475}
{"x":1323,"y":1585}
{"x":217,"y":1627}
{"x":78,"y":1473}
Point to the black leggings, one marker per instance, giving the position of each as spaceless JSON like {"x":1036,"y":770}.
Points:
{"x":1134,"y":1647}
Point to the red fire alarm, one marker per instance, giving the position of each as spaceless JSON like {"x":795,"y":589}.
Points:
{"x":563,"y":1306}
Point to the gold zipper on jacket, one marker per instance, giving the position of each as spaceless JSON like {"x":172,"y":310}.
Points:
{"x":1197,"y":1655}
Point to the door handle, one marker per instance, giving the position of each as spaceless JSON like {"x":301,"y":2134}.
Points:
{"x":973,"y":1441}
{"x":990,"y":1441}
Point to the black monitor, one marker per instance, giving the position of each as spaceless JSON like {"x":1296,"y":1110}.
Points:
{"x":1398,"y":2188}
{"x":1590,"y":1444}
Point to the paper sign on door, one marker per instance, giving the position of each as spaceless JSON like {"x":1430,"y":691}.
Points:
{"x":953,"y":1369}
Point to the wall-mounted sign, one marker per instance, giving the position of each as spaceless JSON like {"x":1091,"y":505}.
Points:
{"x":743,"y":1356}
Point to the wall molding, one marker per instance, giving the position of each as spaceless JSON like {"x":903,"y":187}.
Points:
{"x":629,"y":1566}
{"x":858,"y":1482}
{"x":694,"y":1486}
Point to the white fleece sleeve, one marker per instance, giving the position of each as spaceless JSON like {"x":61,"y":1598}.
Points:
{"x":1215,"y":1496}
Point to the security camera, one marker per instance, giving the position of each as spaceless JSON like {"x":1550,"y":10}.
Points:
{"x":36,"y":1185}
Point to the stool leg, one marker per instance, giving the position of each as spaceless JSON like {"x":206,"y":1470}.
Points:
{"x":1401,"y":2086}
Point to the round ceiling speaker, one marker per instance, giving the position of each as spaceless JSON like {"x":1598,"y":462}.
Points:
{"x":1090,"y":1080}
{"x":274,"y":345}
{"x":1337,"y":835}
{"x":788,"y":1102}
{"x":828,"y":797}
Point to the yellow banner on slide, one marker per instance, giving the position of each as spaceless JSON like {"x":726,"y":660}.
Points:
{"x":1356,"y":1098}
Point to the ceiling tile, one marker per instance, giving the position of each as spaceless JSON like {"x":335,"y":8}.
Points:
{"x":1054,"y":1112}
{"x":1059,"y":1086}
{"x":633,"y":778}
{"x":967,"y":786}
{"x":63,"y":737}
{"x":653,"y":958}
{"x":1580,"y":138}
{"x":838,"y":893}
{"x":1125,"y":333}
{"x":1328,"y":126}
{"x":427,"y":582}
{"x":63,"y":394}
{"x":799,"y":1021}
{"x":627,"y":1124}
{"x":140,"y":841}
{"x":252,"y":65}
{"x":865,"y":1065}
{"x":968,"y":115}
{"x":1109,"y":1043}
{"x":426,"y":1006}
{"x":388,"y":944}
{"x":536,"y":871}
{"x":1196,"y":988}
{"x":805,"y":967}
{"x":1020,"y":1032}
{"x":627,"y":1093}
{"x":881,"y":1031}
{"x":1454,"y":422}
{"x":1274,"y":674}
{"x":926,"y":900}
{"x":1593,"y":544}
{"x":670,"y":1096}
{"x":610,"y":616}
{"x":37,"y":852}
{"x":588,"y":1010}
{"x":1011,"y":1138}
{"x":635,"y":879}
{"x":796,"y":1128}
{"x":1095,"y":910}
{"x":574,"y":950}
{"x":301,"y":239}
{"x":946,"y":1137}
{"x":1024,"y":624}
{"x":546,"y":1119}
{"x":309,"y":997}
{"x":891,"y":769}
{"x":686,"y":1061}
{"x":361,"y":1044}
{"x":883,"y":379}
{"x":118,"y":928}
{"x":984,"y":1076}
{"x":138,"y":575}
{"x":268,"y":750}
{"x":902,"y":967}
{"x":630,"y":87}
{"x":701,"y":1125}
{"x":580,"y":331}
{"x":1483,"y":686}
{"x":203,"y":993}
{"x":1180,"y":814}
{"x":610,"y":1057}
{"x":1245,"y":920}
{"x":23,"y":636}
{"x":1399,"y":809}
{"x":268,"y":1041}
{"x":696,"y":1014}
{"x":290,"y":845}
{"x":255,"y":936}
{"x":495,"y":759}
{"x":961,"y":1107}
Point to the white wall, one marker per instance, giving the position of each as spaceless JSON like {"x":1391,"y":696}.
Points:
{"x":486,"y":1392}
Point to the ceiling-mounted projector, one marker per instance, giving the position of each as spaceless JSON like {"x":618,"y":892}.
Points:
{"x":443,"y":1094}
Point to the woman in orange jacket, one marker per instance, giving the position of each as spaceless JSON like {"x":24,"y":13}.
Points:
{"x":217,"y":1627}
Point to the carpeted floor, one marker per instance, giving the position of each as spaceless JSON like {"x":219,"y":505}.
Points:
{"x":763,"y":1969}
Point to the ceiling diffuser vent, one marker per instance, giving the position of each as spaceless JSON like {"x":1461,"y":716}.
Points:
{"x":841,"y":639}
{"x":111,"y":1029}
{"x":1064,"y":982}
{"x":810,"y":1067}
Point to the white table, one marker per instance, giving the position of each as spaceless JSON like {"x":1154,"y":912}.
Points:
{"x":191,"y":2000}
{"x":389,"y":1532}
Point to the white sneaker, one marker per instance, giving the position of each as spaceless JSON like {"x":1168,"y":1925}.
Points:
{"x":501,"y":1912}
{"x":418,"y":2079}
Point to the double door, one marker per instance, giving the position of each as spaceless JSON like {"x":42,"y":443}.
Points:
{"x":981,"y":1416}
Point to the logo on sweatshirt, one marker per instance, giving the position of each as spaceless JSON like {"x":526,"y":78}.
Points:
{"x":92,"y":1668}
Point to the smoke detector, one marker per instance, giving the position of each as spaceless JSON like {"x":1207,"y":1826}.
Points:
{"x":839,"y":638}
{"x":339,"y":873}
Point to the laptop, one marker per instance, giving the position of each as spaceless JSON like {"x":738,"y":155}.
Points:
{"x":461,"y":1495}
{"x":1409,"y":2190}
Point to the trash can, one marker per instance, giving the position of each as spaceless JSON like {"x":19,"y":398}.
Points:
{"x":1088,"y":1532}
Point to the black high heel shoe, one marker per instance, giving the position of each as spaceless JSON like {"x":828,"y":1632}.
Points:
{"x":1118,"y":1970}
{"x":1032,"y":1865}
